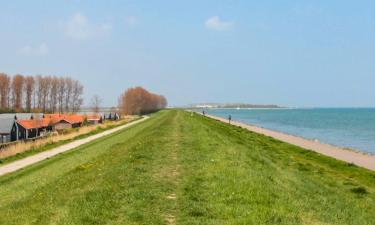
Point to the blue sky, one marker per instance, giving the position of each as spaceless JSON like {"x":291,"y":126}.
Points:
{"x":290,"y":52}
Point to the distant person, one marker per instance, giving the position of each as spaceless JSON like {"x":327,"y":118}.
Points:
{"x":204,"y":113}
{"x":229,"y":118}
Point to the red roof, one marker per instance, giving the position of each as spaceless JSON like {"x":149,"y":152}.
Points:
{"x":76,"y":118}
{"x":50,"y":119}
{"x":72,"y":119}
{"x":32,"y":124}
{"x":93,"y":117}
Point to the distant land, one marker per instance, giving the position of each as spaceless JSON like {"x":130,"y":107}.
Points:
{"x":234,"y":105}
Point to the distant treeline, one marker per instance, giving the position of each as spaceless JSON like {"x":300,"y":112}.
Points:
{"x":136,"y":101}
{"x":52,"y":94}
{"x":233,"y":105}
{"x":247,"y":106}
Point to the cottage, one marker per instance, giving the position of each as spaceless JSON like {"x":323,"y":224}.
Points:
{"x":76,"y":120}
{"x":6,"y":126}
{"x":22,"y":126}
{"x":64,"y":121}
{"x":94,"y":119}
{"x":25,"y":129}
{"x":62,"y":125}
{"x":111,"y":116}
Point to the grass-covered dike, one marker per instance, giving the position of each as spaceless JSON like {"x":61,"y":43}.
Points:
{"x":183,"y":168}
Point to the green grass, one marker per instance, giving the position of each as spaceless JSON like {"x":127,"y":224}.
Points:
{"x":52,"y":145}
{"x":180,"y":169}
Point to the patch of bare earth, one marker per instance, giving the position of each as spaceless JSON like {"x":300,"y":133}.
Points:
{"x":170,"y":174}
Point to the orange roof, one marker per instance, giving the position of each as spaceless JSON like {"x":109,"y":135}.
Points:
{"x":93,"y":117}
{"x":32,"y":124}
{"x":50,"y":119}
{"x":68,"y":118}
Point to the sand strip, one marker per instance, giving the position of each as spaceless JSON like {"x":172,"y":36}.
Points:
{"x":357,"y":158}
{"x":16,"y":165}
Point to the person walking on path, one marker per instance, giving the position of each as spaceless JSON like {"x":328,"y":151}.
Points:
{"x":229,"y":118}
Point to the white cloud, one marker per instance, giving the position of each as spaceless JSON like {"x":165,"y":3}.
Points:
{"x":131,"y":21}
{"x":79,"y":27}
{"x":38,"y":50}
{"x":215,"y":23}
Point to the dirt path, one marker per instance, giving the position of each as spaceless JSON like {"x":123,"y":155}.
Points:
{"x":11,"y":167}
{"x":357,"y":158}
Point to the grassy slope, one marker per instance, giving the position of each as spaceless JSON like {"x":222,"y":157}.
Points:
{"x":183,"y":169}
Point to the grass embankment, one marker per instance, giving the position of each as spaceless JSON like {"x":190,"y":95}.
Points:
{"x":21,"y":150}
{"x":180,"y":169}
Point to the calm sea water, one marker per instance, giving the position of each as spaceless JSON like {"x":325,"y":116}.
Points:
{"x":350,"y":127}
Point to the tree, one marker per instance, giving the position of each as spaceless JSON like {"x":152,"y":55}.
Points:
{"x":68,"y":93}
{"x":4,"y":91}
{"x":77,"y":99}
{"x":40,"y":93}
{"x":44,"y":87}
{"x":136,"y":101}
{"x":54,"y":85}
{"x":61,"y":94}
{"x":17,"y":92}
{"x":96,"y":101}
{"x":30,"y":85}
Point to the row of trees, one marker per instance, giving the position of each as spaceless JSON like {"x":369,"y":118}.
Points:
{"x":39,"y":94}
{"x":136,"y":101}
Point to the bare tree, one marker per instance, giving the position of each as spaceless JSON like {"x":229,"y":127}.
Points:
{"x":38,"y":91}
{"x":44,"y":92}
{"x":96,"y":101}
{"x":68,"y":93}
{"x":17,"y":91}
{"x":77,"y":99}
{"x":4,"y":91}
{"x":54,"y":83}
{"x":61,"y":94}
{"x":30,"y":84}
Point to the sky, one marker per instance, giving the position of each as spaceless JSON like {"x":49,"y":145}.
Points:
{"x":302,"y":53}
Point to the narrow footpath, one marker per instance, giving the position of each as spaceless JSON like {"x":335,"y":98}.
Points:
{"x":19,"y":164}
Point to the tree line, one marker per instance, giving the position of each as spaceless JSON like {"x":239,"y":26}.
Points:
{"x":137,"y":101}
{"x":47,"y":94}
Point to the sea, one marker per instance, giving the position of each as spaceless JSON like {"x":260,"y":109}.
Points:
{"x":352,"y":128}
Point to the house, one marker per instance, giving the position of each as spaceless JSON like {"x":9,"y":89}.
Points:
{"x":58,"y":121}
{"x":94,"y":119}
{"x":64,"y":121}
{"x":111,"y":116}
{"x":14,"y":127}
{"x":6,"y":126}
{"x":76,"y":120}
{"x":25,"y":129}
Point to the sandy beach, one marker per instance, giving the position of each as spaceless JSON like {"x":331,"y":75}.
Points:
{"x":357,"y":158}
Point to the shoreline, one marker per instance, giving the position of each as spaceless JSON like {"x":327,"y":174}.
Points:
{"x":358,"y":158}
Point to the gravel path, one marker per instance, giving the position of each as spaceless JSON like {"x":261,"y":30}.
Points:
{"x":11,"y":167}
